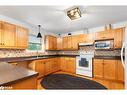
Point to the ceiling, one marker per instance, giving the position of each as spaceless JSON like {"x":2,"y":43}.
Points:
{"x":54,"y":19}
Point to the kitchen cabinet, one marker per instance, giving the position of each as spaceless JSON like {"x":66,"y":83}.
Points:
{"x":120,"y":71}
{"x":110,"y":69}
{"x":50,"y":42}
{"x":70,"y":43}
{"x":109,"y":34}
{"x":0,"y":33}
{"x":68,"y":64}
{"x":89,"y":37}
{"x":118,"y":37}
{"x":98,"y":68}
{"x":12,"y":36}
{"x":59,"y":43}
{"x":55,"y":64}
{"x":8,"y":35}
{"x":45,"y":66}
{"x":26,"y":84}
{"x":21,"y":37}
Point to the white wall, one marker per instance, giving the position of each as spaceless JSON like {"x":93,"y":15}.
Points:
{"x":97,"y":29}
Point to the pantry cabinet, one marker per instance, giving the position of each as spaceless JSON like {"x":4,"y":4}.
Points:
{"x":21,"y":37}
{"x":118,"y":37}
{"x":110,"y":69}
{"x":50,"y":42}
{"x":68,"y":64}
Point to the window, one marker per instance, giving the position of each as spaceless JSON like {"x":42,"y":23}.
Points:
{"x":34,"y":43}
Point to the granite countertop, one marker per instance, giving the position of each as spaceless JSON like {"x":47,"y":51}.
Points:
{"x":31,"y":58}
{"x":108,"y":57}
{"x":12,"y":73}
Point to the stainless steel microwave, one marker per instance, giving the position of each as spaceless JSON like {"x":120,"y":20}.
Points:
{"x":106,"y":44}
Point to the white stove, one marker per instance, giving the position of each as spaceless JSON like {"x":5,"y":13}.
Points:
{"x":84,"y":63}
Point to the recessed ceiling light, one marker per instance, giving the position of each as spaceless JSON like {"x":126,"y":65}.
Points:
{"x":74,"y":13}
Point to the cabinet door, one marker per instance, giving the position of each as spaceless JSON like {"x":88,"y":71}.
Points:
{"x":59,"y":43}
{"x":118,"y":37}
{"x":71,"y":65}
{"x":55,"y":64}
{"x":81,"y":38}
{"x":54,"y":44}
{"x":0,"y":33}
{"x":120,"y":71}
{"x":110,"y":69}
{"x":63,"y":64}
{"x":98,"y":68}
{"x":65,"y":43}
{"x":48,"y":66}
{"x":99,"y":35}
{"x":9,"y":33}
{"x":21,"y":37}
{"x":39,"y":67}
{"x":74,"y":42}
{"x":89,"y":37}
{"x":109,"y":34}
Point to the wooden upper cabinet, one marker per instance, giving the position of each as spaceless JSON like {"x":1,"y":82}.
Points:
{"x":67,"y":43}
{"x":74,"y":42}
{"x":89,"y":37}
{"x":8,"y":34}
{"x":98,"y":68}
{"x":120,"y":71}
{"x":109,"y":34}
{"x":50,"y":42}
{"x":110,"y":69}
{"x":59,"y":43}
{"x":21,"y":37}
{"x":118,"y":37}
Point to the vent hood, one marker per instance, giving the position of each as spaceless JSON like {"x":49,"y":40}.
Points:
{"x":86,"y":44}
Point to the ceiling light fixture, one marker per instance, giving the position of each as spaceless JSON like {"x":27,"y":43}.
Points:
{"x":74,"y":13}
{"x":39,"y":34}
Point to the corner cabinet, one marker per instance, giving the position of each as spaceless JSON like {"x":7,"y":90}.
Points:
{"x":12,"y":36}
{"x":21,"y":37}
{"x":50,"y":42}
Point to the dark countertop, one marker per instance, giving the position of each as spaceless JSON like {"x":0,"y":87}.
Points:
{"x":108,"y":57}
{"x":31,"y":58}
{"x":12,"y":73}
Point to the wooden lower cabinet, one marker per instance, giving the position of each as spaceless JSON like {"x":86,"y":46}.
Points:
{"x":120,"y":71}
{"x":110,"y":69}
{"x":45,"y":66}
{"x":98,"y":68}
{"x":26,"y":84}
{"x":68,"y":64}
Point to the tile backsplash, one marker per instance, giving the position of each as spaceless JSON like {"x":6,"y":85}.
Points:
{"x":23,"y":53}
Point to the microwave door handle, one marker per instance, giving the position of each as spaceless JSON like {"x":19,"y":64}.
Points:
{"x":122,"y":55}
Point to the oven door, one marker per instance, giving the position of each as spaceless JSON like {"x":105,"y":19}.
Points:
{"x":84,"y":63}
